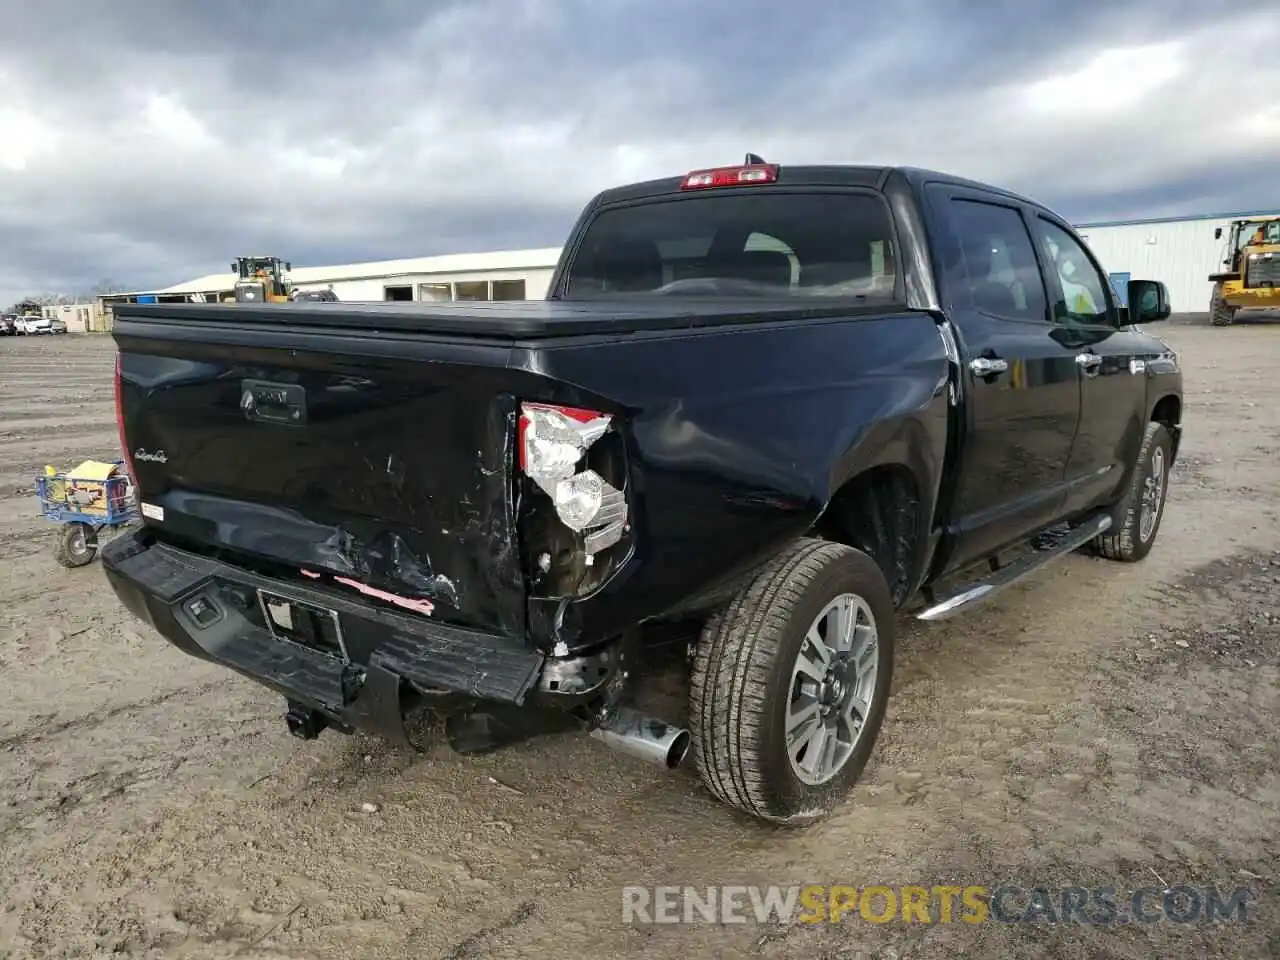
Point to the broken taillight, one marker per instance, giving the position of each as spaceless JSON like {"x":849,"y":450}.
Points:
{"x":552,"y":444}
{"x":554,"y":438}
{"x":731,"y":176}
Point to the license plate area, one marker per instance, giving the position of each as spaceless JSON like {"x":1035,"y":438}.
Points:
{"x":303,"y":624}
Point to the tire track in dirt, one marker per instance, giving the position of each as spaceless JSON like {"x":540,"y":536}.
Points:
{"x":46,"y":728}
{"x":38,"y":427}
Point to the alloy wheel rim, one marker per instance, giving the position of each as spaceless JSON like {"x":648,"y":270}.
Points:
{"x":833,"y":683}
{"x":1152,"y":495}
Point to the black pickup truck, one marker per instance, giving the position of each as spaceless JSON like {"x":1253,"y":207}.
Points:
{"x":785,"y":404}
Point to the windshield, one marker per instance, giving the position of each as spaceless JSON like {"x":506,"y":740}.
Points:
{"x":739,"y":245}
{"x":1258,"y":232}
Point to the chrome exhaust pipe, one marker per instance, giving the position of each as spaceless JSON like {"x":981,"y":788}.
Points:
{"x":644,"y":737}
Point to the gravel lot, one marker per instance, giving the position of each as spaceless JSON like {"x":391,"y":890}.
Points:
{"x":1102,"y":724}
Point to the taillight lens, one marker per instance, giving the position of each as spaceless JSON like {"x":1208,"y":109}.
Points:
{"x":119,"y":393}
{"x":553,"y":441}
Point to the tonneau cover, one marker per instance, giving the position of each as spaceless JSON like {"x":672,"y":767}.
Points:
{"x":502,"y":320}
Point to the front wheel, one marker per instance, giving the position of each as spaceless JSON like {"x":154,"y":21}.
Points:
{"x":790,"y":683}
{"x":1142,"y":509}
{"x":77,"y":545}
{"x":1220,"y":314}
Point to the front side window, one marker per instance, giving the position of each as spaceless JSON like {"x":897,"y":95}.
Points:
{"x":740,"y":245}
{"x":1083,"y":299}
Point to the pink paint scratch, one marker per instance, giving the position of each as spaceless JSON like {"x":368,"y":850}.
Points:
{"x":425,"y":607}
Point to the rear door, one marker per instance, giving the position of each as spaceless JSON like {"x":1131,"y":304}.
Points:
{"x":1110,"y":359}
{"x":1022,"y":384}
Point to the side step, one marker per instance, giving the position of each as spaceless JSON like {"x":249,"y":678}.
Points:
{"x":1053,"y":550}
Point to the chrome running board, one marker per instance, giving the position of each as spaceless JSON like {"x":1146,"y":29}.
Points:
{"x":1035,"y":560}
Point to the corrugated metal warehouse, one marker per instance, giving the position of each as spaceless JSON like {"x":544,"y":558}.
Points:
{"x":1180,"y":251}
{"x":501,"y":275}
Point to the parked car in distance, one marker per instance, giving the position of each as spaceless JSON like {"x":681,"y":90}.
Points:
{"x":786,"y":404}
{"x":57,"y":326}
{"x":8,"y":325}
{"x":34,"y":324}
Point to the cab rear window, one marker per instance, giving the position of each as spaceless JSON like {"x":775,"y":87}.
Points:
{"x":767,"y":244}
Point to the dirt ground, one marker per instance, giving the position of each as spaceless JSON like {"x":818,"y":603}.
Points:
{"x":1101,"y":724}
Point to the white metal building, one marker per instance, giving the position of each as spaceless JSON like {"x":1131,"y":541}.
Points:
{"x":79,"y":317}
{"x":1180,"y":251}
{"x":502,"y":275}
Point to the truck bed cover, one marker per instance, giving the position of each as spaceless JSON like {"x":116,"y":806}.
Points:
{"x":503,"y":320}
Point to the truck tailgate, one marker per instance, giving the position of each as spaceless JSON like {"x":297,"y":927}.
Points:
{"x":390,"y":471}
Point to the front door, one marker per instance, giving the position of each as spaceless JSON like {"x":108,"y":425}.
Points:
{"x":1022,"y":383}
{"x":1112,"y":368}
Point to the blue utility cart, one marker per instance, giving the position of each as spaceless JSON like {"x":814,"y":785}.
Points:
{"x":85,"y":506}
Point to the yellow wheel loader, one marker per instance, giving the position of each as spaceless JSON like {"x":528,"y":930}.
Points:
{"x":261,"y":279}
{"x":1252,"y":278}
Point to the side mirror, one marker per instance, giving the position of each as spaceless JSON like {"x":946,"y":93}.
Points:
{"x":1217,"y":233}
{"x":1148,"y":301}
{"x":235,"y":267}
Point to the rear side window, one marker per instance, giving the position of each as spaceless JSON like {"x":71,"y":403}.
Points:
{"x":731,"y":245}
{"x":999,"y":260}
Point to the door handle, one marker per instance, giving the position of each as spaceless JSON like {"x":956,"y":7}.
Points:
{"x":273,"y":402}
{"x":987,"y":366}
{"x":1088,"y":360}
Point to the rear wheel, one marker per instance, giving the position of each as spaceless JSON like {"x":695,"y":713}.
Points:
{"x":77,"y":545}
{"x":790,"y":683}
{"x":1220,"y":314}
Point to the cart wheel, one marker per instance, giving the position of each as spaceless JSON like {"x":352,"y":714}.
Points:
{"x":77,"y":545}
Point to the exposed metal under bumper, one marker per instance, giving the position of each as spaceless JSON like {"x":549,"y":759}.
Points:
{"x":1006,"y":576}
{"x":215,"y":611}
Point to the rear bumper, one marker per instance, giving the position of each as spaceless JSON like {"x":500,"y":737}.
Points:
{"x":394,"y":659}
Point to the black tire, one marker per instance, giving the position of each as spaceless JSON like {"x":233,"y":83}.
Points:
{"x":742,"y":678}
{"x":77,"y":545}
{"x":1124,"y":541}
{"x":1220,"y":315}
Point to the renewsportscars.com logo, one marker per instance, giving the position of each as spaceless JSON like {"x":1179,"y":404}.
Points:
{"x":973,"y":904}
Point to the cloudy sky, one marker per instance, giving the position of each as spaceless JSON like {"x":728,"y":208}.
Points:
{"x":150,"y":141}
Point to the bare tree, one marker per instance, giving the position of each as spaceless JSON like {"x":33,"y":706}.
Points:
{"x":41,"y":300}
{"x":102,"y":288}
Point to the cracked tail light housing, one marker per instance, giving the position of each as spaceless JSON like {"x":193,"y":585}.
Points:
{"x":554,"y":440}
{"x":575,"y":508}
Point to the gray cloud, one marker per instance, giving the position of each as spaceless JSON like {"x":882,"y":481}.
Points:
{"x":149,"y":142}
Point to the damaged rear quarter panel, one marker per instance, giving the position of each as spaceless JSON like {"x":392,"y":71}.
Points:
{"x":739,"y":437}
